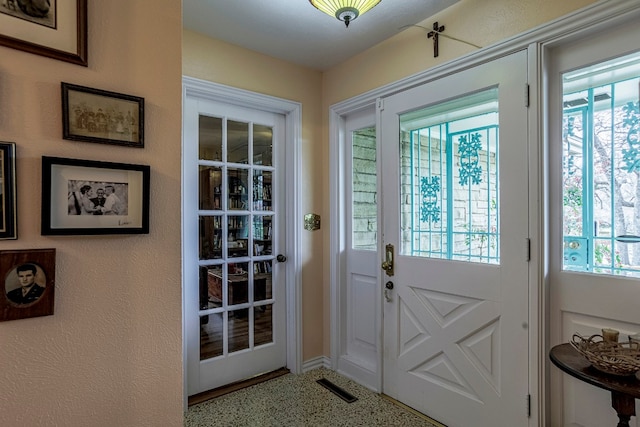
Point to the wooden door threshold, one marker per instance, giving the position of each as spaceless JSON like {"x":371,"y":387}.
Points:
{"x":413,"y":411}
{"x":239,"y":385}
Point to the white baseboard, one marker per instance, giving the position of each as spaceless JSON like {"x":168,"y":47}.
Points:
{"x":356,"y":370}
{"x":316,"y":363}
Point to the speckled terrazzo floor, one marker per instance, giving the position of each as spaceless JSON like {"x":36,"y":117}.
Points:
{"x":297,"y":400}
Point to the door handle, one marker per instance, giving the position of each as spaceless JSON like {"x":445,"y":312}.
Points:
{"x":387,"y":287}
{"x":387,"y":265}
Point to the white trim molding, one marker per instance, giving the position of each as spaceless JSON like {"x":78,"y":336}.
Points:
{"x":316,"y":363}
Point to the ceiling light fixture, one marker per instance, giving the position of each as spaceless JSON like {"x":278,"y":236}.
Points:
{"x":344,"y":10}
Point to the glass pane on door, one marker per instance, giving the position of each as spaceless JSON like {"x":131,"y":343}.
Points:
{"x":236,"y":217}
{"x":449,"y":191}
{"x":263,"y":281}
{"x":262,"y":190}
{"x":237,"y":142}
{"x":364,"y":192}
{"x":262,"y":145}
{"x":262,"y":234}
{"x":211,"y":335}
{"x":238,"y":237}
{"x":601,"y":168}
{"x":210,"y":241}
{"x":210,"y":138}
{"x":210,"y":181}
{"x":263,"y":330}
{"x":238,"y":195}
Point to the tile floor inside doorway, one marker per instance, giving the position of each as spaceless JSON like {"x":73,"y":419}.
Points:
{"x":297,"y":400}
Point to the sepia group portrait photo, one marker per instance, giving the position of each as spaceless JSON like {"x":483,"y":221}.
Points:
{"x":94,"y":115}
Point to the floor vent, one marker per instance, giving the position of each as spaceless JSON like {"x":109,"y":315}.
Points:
{"x":340,"y":392}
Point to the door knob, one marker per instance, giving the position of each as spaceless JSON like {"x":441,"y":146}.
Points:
{"x":281,"y":258}
{"x":388,"y":286}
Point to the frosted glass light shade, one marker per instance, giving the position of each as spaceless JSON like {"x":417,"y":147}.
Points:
{"x":344,"y":10}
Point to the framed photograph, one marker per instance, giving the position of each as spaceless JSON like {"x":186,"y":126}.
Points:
{"x":94,"y":115}
{"x":8,"y":203}
{"x":29,"y":278}
{"x":53,"y":28}
{"x":92,"y":197}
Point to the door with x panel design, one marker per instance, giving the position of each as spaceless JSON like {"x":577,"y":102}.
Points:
{"x":454,"y":181}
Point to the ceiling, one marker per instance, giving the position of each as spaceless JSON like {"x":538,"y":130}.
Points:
{"x":296,"y":32}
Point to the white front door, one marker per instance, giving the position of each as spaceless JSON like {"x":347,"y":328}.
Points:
{"x":594,"y":188}
{"x":454,"y":179}
{"x":234,"y":229}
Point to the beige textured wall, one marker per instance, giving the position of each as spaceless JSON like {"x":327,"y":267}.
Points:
{"x":111,"y":355}
{"x":219,"y":62}
{"x":480,"y":22}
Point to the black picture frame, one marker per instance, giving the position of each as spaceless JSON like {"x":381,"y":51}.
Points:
{"x":64,"y":39}
{"x":68,"y":207}
{"x":40,"y":267}
{"x":100,"y":116}
{"x":8,"y":199}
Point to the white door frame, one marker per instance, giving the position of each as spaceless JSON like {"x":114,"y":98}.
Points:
{"x":292,"y":111}
{"x":337,"y":259}
{"x":589,"y":19}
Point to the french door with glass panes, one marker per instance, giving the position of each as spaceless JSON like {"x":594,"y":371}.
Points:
{"x":233,"y":230}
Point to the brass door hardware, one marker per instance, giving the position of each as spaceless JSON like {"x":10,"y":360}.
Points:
{"x":387,"y":265}
{"x":312,"y":222}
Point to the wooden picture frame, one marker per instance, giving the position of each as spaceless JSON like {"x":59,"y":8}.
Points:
{"x":55,"y":28}
{"x":28,"y":278}
{"x":8,"y":200}
{"x":72,"y":203}
{"x":94,"y":115}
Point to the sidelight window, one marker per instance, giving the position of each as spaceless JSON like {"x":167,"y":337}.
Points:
{"x":601,"y":168}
